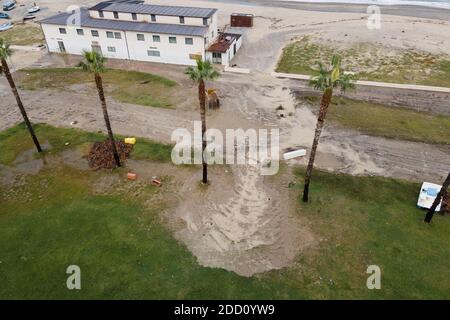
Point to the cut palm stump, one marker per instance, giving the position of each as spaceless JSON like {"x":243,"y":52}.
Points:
{"x":101,"y":157}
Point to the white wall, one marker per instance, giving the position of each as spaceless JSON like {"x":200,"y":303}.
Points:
{"x":147,"y":18}
{"x":170,"y":52}
{"x":227,"y":56}
{"x":212,"y":22}
{"x":76,"y":44}
{"x":137,"y":50}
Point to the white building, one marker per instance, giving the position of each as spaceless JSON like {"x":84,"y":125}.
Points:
{"x":128,"y":29}
{"x":223,"y":49}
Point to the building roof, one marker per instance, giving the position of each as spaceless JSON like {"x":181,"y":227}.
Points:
{"x":223,"y":42}
{"x":88,"y":22}
{"x":134,"y":7}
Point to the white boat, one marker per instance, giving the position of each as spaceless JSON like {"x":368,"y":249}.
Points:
{"x":34,"y":9}
{"x":6,"y":26}
{"x":428,"y":192}
{"x":29,"y":16}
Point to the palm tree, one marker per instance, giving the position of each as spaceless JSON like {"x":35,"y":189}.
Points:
{"x":202,"y":72}
{"x":5,"y":52}
{"x":94,"y":63}
{"x":329,"y":78}
{"x":436,"y":201}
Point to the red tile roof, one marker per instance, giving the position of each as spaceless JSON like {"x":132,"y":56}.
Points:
{"x":223,"y":42}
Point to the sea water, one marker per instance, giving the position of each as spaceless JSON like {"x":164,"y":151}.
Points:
{"x":428,"y":3}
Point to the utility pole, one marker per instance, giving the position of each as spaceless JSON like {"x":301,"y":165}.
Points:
{"x":444,"y":188}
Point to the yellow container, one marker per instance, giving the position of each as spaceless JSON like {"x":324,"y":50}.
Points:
{"x":130,"y":140}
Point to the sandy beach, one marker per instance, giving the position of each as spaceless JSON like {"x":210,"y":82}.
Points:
{"x":397,"y":10}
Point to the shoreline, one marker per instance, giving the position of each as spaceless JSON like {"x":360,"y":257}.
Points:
{"x":407,"y":10}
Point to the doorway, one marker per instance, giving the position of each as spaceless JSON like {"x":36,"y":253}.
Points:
{"x":62,"y":48}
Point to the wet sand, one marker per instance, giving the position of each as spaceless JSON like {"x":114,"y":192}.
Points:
{"x":397,"y":10}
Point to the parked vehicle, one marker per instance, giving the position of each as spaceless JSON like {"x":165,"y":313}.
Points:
{"x":6,"y":26}
{"x":8,"y":5}
{"x":4,"y":15}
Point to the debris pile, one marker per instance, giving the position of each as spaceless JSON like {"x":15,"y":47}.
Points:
{"x":101,"y":156}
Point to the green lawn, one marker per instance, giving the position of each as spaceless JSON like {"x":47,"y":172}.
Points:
{"x":16,"y":140}
{"x":124,"y":86}
{"x":368,"y":62}
{"x":391,"y":122}
{"x":23,"y":35}
{"x":55,"y":219}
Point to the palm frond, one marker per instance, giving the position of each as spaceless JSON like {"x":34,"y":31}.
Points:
{"x":332,"y":76}
{"x":93,"y":62}
{"x":204,"y":70}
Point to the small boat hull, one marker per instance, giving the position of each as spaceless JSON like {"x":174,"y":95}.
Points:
{"x":34,"y":10}
{"x":29,"y":17}
{"x":5,"y":26}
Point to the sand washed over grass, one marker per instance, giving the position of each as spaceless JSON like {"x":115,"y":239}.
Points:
{"x":124,"y":86}
{"x":23,"y":35}
{"x":60,"y":217}
{"x":384,"y":121}
{"x":368,"y":62}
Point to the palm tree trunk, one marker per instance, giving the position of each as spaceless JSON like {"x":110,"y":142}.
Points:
{"x":19,"y":103}
{"x":431,"y":211}
{"x":99,"y":83}
{"x":202,"y":99}
{"x":324,"y":104}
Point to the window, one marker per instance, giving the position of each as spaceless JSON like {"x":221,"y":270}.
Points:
{"x":134,"y":16}
{"x":100,"y":14}
{"x":205,"y":21}
{"x":62,"y":30}
{"x":153,"y":17}
{"x":189,"y":41}
{"x":156,"y":39}
{"x":217,"y":55}
{"x":116,"y":15}
{"x":182,"y":20}
{"x":212,"y":34}
{"x":94,"y":33}
{"x":111,"y":49}
{"x":109,"y":34}
{"x":172,"y":39}
{"x":117,"y":35}
{"x":80,"y":32}
{"x":140,"y":37}
{"x":153,"y":53}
